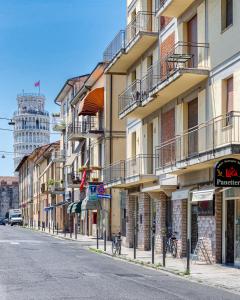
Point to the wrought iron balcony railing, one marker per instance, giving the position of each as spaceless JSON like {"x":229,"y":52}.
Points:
{"x":202,"y":142}
{"x":114,"y":173}
{"x":143,"y":22}
{"x":140,"y":165}
{"x":74,"y":178}
{"x":130,"y":98}
{"x":89,"y":125}
{"x":117,"y":44}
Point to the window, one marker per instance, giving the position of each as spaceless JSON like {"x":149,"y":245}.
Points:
{"x":227,"y":13}
{"x":227,"y":92}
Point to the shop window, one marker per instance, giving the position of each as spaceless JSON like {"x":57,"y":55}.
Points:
{"x":94,"y":218}
{"x":227,"y":13}
{"x":206,"y":208}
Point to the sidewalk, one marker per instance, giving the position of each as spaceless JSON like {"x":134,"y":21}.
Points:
{"x":213,"y":275}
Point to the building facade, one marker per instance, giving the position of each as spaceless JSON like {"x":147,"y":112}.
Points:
{"x":8,"y":194}
{"x":181,"y":105}
{"x":31,"y":128}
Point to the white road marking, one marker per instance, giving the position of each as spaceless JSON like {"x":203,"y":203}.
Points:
{"x":21,"y":241}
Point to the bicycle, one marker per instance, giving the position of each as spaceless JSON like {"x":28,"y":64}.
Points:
{"x":116,"y":244}
{"x":171,"y":244}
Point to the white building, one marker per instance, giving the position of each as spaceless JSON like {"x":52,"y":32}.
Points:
{"x":31,"y":128}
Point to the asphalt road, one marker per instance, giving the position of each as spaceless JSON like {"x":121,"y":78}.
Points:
{"x":38,"y":266}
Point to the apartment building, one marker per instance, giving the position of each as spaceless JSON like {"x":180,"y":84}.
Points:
{"x":181,"y":108}
{"x":41,"y":187}
{"x":9,"y":198}
{"x":92,"y":135}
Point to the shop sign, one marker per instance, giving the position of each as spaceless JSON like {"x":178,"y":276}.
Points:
{"x":227,"y":173}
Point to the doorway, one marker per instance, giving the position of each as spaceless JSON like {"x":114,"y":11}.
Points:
{"x":230,"y":208}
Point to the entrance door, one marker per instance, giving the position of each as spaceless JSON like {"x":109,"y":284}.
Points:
{"x":192,"y":40}
{"x":192,"y":127}
{"x":237,"y":234}
{"x":230,"y":231}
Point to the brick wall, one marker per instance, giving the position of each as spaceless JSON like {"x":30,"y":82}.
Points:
{"x":165,"y":48}
{"x":130,"y":210}
{"x":218,"y":220}
{"x":160,"y":221}
{"x":168,"y":133}
{"x":164,"y":21}
{"x":144,"y":227}
{"x":180,"y":225}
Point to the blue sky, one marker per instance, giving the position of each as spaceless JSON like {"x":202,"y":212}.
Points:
{"x":49,"y":40}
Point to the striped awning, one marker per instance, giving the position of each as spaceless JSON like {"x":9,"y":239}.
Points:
{"x":92,"y":103}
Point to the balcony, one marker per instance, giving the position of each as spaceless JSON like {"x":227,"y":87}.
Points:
{"x":58,"y":156}
{"x":140,"y":169}
{"x":114,"y":175}
{"x":91,"y":127}
{"x":58,"y":123}
{"x":129,"y":45}
{"x":201,"y":146}
{"x":185,"y":66}
{"x":74,"y":180}
{"x":56,"y":188}
{"x":172,"y":8}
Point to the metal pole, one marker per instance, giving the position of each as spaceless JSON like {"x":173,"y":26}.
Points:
{"x":48,"y":226}
{"x":105,"y":240}
{"x":53,"y":227}
{"x":188,"y":257}
{"x":76,"y":228}
{"x":164,"y":251}
{"x":97,"y":239}
{"x":134,"y":244}
{"x":65,"y":230}
{"x":57,"y":228}
{"x":153,"y":247}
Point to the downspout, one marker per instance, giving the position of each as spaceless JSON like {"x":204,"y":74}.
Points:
{"x":110,"y":154}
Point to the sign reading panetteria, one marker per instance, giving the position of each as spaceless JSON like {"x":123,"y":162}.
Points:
{"x":227,"y":173}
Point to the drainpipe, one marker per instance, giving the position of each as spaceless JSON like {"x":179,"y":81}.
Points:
{"x":110,"y":154}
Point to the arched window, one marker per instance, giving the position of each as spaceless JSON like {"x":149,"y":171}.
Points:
{"x":37,"y":124}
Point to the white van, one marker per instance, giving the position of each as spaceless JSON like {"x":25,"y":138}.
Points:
{"x":15,"y":217}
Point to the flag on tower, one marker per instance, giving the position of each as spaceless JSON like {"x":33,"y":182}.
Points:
{"x":37,"y":84}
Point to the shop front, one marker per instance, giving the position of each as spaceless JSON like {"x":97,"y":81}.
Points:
{"x":231,"y":227}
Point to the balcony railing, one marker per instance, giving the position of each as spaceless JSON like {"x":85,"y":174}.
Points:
{"x":86,"y":126}
{"x":159,"y":4}
{"x":114,"y":173}
{"x":57,"y":188}
{"x":203,"y":142}
{"x":130,"y":98}
{"x":117,"y":44}
{"x":184,"y":56}
{"x":142,"y":164}
{"x":74,"y":178}
{"x":143,"y":22}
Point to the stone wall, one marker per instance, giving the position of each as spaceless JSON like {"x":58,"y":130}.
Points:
{"x":160,"y":221}
{"x":130,"y":211}
{"x":144,"y":226}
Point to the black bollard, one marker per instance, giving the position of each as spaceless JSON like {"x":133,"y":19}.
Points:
{"x":105,"y":240}
{"x":153,"y":248}
{"x":48,"y":226}
{"x":97,"y":240}
{"x":164,"y":251}
{"x":134,"y":244}
{"x":65,"y":231}
{"x":57,"y":228}
{"x":76,"y":229}
{"x":53,"y":227}
{"x":188,"y":257}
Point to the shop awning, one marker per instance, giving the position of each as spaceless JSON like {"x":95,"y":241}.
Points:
{"x":203,"y":195}
{"x":180,"y":194}
{"x":92,"y":103}
{"x":71,"y":159}
{"x":88,"y":204}
{"x":69,"y":209}
{"x":76,"y":208}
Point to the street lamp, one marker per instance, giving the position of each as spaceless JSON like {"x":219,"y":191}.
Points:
{"x":11,"y":122}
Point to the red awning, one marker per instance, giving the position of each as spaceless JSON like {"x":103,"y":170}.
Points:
{"x":92,"y":103}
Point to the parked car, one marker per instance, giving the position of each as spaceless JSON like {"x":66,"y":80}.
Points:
{"x":2,"y":221}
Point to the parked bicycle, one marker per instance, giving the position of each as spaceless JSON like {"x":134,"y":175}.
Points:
{"x":116,"y":244}
{"x":171,"y":243}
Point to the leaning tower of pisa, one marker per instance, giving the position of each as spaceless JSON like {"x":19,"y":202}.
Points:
{"x":31,"y":128}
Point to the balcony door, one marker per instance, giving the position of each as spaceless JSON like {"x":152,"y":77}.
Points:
{"x":192,"y":32}
{"x":167,"y":154}
{"x":149,"y":17}
{"x":192,"y":127}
